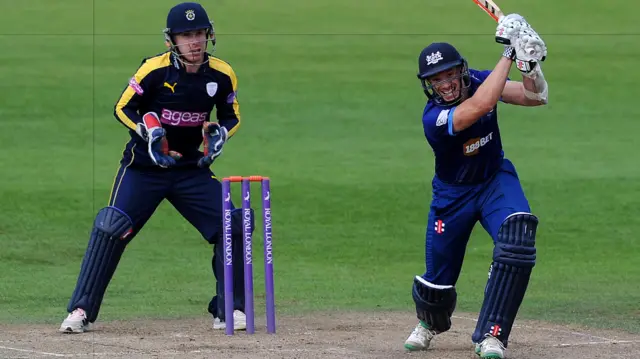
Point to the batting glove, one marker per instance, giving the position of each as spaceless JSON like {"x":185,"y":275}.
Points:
{"x":214,"y":137}
{"x":152,"y":132}
{"x":509,"y":28}
{"x":530,"y":46}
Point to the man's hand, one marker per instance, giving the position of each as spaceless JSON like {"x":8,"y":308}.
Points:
{"x":151,"y":131}
{"x":509,"y":28}
{"x":529,"y":49}
{"x":530,"y":46}
{"x":214,"y":137}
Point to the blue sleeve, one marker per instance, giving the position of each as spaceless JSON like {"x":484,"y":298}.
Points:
{"x":450,"y":122}
{"x":481,"y":76}
{"x":438,"y":123}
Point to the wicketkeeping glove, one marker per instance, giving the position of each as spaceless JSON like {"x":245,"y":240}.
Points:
{"x":214,"y":137}
{"x":151,"y":131}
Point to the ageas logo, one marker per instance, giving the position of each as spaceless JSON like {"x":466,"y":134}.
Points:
{"x":183,"y":119}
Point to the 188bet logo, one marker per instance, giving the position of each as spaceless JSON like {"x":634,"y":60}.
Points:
{"x":471,"y":147}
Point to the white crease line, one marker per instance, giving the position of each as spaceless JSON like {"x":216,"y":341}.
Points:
{"x":94,"y":355}
{"x":32,"y":351}
{"x":551,"y":330}
{"x":596,"y":343}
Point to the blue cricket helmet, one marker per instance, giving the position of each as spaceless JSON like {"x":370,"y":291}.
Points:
{"x":188,"y":16}
{"x":438,"y":57}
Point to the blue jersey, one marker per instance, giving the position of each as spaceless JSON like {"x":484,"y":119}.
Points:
{"x":470,"y":156}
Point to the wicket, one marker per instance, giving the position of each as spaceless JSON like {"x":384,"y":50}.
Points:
{"x":248,"y":252}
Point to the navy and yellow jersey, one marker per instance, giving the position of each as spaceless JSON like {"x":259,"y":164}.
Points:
{"x":470,"y":156}
{"x":183,"y":101}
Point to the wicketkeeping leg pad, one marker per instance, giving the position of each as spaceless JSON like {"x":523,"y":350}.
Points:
{"x":514,"y":257}
{"x":107,"y":243}
{"x":434,"y":303}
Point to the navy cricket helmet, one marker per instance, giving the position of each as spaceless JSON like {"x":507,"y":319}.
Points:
{"x":438,"y":57}
{"x":188,"y":16}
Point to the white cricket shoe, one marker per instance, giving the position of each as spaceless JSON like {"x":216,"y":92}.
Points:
{"x":420,"y":338}
{"x":76,"y":322}
{"x":490,"y":348}
{"x":239,"y":321}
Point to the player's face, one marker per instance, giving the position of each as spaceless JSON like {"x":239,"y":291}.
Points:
{"x":447,"y":84}
{"x":192,"y":45}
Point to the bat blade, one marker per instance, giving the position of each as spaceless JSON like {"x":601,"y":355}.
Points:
{"x":490,"y":8}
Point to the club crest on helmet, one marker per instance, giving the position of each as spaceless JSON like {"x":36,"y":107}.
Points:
{"x":434,"y":58}
{"x":191,"y":15}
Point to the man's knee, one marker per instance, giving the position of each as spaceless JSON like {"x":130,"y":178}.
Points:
{"x":515,"y":245}
{"x":113,"y":222}
{"x":434,"y":303}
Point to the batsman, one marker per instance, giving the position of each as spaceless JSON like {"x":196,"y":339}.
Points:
{"x":474,"y":181}
{"x":167,"y":108}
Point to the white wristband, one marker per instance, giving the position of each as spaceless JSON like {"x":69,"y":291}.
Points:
{"x":541,"y":85}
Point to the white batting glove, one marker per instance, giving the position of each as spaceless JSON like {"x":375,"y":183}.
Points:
{"x":529,"y":46}
{"x":509,"y":27}
{"x":511,"y":17}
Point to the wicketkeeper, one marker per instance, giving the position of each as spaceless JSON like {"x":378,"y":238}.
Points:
{"x":167,"y":108}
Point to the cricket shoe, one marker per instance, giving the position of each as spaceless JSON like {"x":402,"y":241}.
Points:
{"x":239,"y":321}
{"x":420,"y":338}
{"x":490,"y":348}
{"x":76,"y":322}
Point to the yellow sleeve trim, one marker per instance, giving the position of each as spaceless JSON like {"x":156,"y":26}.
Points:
{"x":217,"y":64}
{"x":145,"y":69}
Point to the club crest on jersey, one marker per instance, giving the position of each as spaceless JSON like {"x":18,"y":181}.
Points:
{"x":439,"y":227}
{"x":190,"y":14}
{"x":212,"y":88}
{"x":434,"y":58}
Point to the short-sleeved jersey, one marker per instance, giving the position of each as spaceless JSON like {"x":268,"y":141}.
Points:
{"x":183,"y":102}
{"x":470,"y":156}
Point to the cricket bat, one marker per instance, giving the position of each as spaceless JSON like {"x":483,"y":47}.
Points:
{"x":490,"y":8}
{"x":493,"y":10}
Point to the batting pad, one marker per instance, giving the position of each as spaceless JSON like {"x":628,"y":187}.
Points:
{"x":434,"y":303}
{"x":514,"y":257}
{"x":103,"y":254}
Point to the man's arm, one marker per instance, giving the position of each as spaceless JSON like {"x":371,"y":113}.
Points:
{"x":484,"y":99}
{"x":228,"y":112}
{"x":532,"y":91}
{"x":126,"y":109}
{"x":227,"y":106}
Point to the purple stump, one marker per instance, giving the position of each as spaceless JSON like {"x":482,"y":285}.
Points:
{"x":268,"y":256}
{"x":228,"y":257}
{"x":248,"y":254}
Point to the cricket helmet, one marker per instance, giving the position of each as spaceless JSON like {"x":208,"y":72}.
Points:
{"x":438,"y":57}
{"x":188,"y":16}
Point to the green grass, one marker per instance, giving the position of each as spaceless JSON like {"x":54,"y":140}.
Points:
{"x":331,"y":111}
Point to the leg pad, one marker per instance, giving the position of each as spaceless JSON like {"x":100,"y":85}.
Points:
{"x":434,"y":303}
